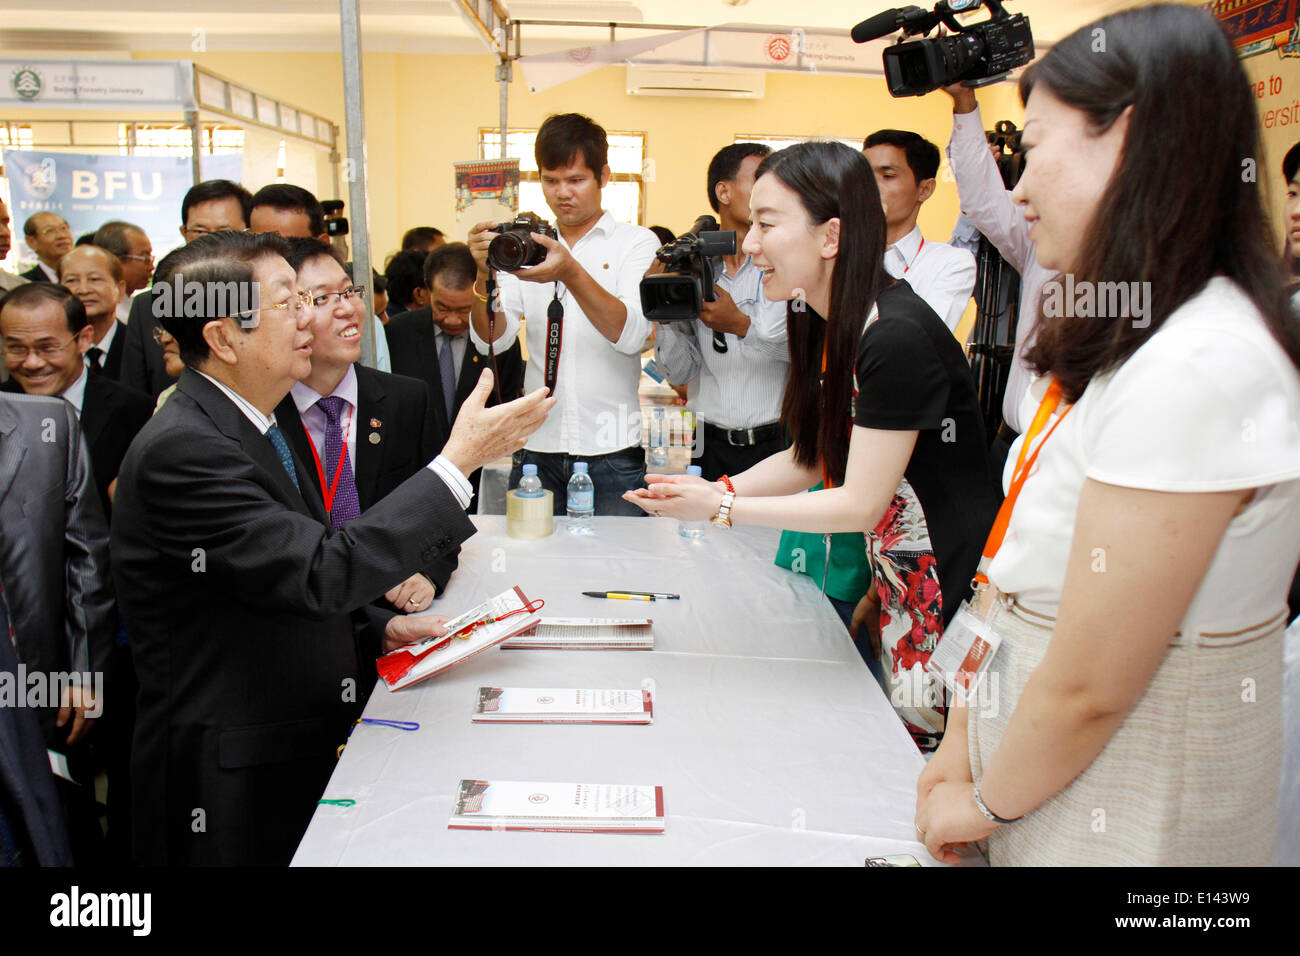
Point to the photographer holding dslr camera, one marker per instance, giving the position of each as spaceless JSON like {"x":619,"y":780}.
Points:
{"x":586,"y":328}
{"x":734,"y":357}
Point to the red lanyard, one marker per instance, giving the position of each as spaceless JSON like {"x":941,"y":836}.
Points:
{"x":907,"y":265}
{"x":1023,"y":466}
{"x":328,"y":492}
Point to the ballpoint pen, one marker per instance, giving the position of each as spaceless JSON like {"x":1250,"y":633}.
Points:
{"x":633,"y":595}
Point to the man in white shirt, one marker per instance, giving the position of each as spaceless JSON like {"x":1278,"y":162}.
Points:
{"x":986,"y":202}
{"x":592,"y":274}
{"x":48,"y":236}
{"x":734,"y":358}
{"x":905,"y":165}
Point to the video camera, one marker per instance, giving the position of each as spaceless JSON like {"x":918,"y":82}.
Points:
{"x":514,"y":248}
{"x":978,"y":54}
{"x":335,"y":224}
{"x":693,"y":262}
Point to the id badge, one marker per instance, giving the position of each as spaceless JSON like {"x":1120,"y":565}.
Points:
{"x":963,"y":655}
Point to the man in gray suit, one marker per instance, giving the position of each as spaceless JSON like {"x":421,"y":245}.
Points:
{"x":57,"y":599}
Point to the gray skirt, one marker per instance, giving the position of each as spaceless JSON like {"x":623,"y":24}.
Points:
{"x":1189,"y":779}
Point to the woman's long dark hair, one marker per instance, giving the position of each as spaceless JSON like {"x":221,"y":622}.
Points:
{"x":832,"y":181}
{"x":1183,"y":204}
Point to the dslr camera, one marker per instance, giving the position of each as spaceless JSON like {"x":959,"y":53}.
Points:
{"x":514,"y":248}
{"x":694,"y":261}
{"x":978,"y":54}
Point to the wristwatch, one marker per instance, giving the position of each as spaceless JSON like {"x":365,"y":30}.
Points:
{"x":723,"y":518}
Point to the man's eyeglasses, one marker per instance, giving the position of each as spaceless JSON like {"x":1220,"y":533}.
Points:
{"x":161,"y":335}
{"x":348,"y":294}
{"x":146,"y":258}
{"x":298,"y":302}
{"x":46,"y":351}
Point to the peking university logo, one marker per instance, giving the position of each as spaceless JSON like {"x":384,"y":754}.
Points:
{"x":26,"y":83}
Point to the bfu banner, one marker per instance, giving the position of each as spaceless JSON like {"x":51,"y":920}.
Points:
{"x":89,"y":191}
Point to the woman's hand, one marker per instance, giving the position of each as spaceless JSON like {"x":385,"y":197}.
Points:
{"x":685,"y":497}
{"x":950,"y":764}
{"x":949,"y":818}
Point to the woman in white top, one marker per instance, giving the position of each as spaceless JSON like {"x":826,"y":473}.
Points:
{"x":1133,"y":709}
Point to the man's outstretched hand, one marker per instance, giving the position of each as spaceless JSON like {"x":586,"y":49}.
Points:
{"x":482,"y":435}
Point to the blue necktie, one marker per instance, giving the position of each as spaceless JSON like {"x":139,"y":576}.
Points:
{"x":276,"y":438}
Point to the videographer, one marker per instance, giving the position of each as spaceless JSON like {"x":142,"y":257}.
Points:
{"x":986,"y":202}
{"x":589,"y":279}
{"x":735,"y":357}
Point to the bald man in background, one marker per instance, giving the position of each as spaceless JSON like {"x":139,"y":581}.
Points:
{"x":48,"y":236}
{"x":94,"y":276}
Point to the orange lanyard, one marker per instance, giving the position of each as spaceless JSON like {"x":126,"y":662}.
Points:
{"x":908,"y":265}
{"x":327,"y":492}
{"x":1023,"y":466}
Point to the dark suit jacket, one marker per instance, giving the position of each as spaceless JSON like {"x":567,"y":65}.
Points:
{"x":412,"y":347}
{"x":112,"y":364}
{"x":403,"y":411}
{"x":111,"y":416}
{"x":35,"y":274}
{"x":25,"y":779}
{"x":236,"y":598}
{"x":143,"y":367}
{"x":54,"y":548}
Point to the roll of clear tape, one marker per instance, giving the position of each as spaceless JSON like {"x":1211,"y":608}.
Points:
{"x":529,"y":517}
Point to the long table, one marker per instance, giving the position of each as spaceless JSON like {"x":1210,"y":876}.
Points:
{"x":771,"y":740}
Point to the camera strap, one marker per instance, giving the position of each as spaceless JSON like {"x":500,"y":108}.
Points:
{"x":554,"y":338}
{"x":491,"y":287}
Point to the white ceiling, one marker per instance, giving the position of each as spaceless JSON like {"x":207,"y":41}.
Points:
{"x":434,"y":26}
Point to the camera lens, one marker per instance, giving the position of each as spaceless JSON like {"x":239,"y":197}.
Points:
{"x":510,"y":251}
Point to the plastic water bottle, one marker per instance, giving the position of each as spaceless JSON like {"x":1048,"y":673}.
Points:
{"x":581,"y":500}
{"x":658,"y":437}
{"x":530,"y":486}
{"x":692,"y":529}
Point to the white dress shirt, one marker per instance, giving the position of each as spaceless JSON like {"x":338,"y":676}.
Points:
{"x":75,"y":394}
{"x":314,"y":419}
{"x":987,"y":204}
{"x":124,"y":309}
{"x":742,"y":387}
{"x":941,"y":275}
{"x":597,"y":409}
{"x":440,"y":466}
{"x":51,"y":274}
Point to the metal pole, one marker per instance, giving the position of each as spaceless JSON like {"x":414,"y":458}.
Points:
{"x":354,"y":117}
{"x":503,"y":75}
{"x":196,"y":145}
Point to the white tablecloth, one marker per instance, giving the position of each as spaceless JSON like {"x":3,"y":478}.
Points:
{"x":770,"y":739}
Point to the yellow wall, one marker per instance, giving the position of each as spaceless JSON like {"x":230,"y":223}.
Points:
{"x":423,"y":112}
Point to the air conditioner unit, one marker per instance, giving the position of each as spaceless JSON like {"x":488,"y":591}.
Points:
{"x":676,"y":81}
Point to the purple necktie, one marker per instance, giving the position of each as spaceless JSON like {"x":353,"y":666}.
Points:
{"x":447,"y":372}
{"x":346,"y":504}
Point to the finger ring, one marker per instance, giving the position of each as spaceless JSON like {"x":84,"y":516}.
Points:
{"x":413,"y":603}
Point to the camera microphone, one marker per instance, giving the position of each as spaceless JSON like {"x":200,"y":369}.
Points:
{"x":883,"y":24}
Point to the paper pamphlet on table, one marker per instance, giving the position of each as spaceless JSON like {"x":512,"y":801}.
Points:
{"x":416,"y":662}
{"x":564,"y":807}
{"x":550,"y":705}
{"x":586,"y":633}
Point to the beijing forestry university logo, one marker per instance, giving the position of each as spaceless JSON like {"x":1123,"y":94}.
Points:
{"x":26,"y":83}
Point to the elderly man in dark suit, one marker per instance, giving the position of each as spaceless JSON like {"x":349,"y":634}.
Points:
{"x":237,"y":595}
{"x":45,"y":333}
{"x":94,"y":276}
{"x":362,"y":432}
{"x":48,"y":236}
{"x":432,"y":343}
